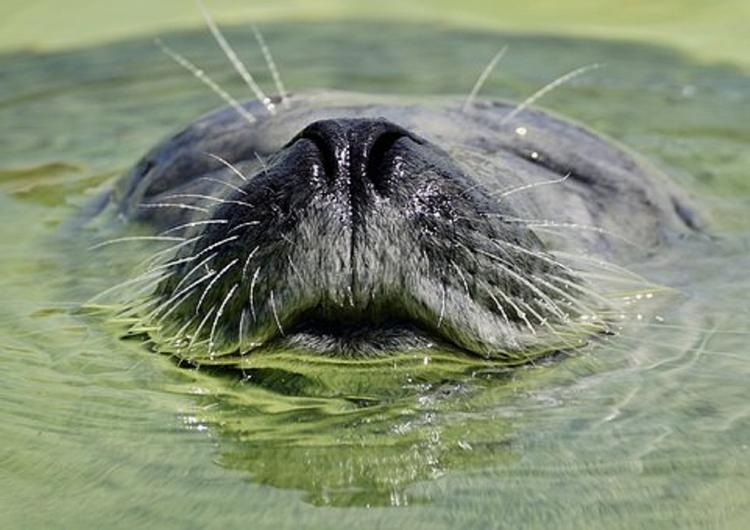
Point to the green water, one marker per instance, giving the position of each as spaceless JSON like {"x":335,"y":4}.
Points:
{"x":647,"y":429}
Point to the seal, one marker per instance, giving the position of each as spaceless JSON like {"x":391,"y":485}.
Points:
{"x":355,"y":225}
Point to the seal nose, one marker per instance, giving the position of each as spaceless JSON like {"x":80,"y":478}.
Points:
{"x":354,"y":151}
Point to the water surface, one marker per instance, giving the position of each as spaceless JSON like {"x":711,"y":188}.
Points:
{"x":649,"y":428}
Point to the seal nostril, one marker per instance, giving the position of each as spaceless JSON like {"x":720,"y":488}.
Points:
{"x":326,"y":150}
{"x":376,"y":159}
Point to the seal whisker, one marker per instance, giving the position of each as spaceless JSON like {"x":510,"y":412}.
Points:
{"x":213,"y":282}
{"x":545,"y":322}
{"x":241,"y":330}
{"x":549,"y":228}
{"x":546,"y":89}
{"x":147,"y":275}
{"x":177,"y":300}
{"x":134,"y":309}
{"x":193,"y":270}
{"x":224,"y":183}
{"x":529,"y":309}
{"x":271,"y":65}
{"x":533,"y":253}
{"x":483,"y":78}
{"x":572,"y":299}
{"x":566,"y":282}
{"x":151,"y":262}
{"x":229,"y":165}
{"x":505,"y":298}
{"x":473,"y":187}
{"x":294,"y":268}
{"x":247,"y":262}
{"x":149,"y":286}
{"x":134,"y":238}
{"x":461,"y":275}
{"x":519,"y":313}
{"x":206,"y":80}
{"x":512,"y":341}
{"x":170,"y":264}
{"x":243,"y":225}
{"x":179,"y":296}
{"x":173,"y":205}
{"x":599,"y":275}
{"x":547,"y":223}
{"x":179,"y":335}
{"x":275,"y":314}
{"x":219,"y":313}
{"x":516,"y":189}
{"x":262,"y":162}
{"x":442,"y":308}
{"x":197,"y":332}
{"x":194,"y":224}
{"x":499,"y":306}
{"x":209,"y":248}
{"x":252,"y":293}
{"x":507,"y":268}
{"x":600,"y":263}
{"x":549,"y":260}
{"x":236,"y":63}
{"x":126,"y":283}
{"x":207,"y":198}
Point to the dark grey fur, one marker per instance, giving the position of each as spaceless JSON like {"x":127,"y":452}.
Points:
{"x":367,"y":225}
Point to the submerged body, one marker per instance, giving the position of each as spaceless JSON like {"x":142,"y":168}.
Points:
{"x":353,"y":225}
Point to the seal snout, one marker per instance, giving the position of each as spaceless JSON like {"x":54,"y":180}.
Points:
{"x":359,"y":237}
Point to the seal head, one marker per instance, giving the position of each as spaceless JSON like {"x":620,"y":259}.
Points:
{"x":363,"y":230}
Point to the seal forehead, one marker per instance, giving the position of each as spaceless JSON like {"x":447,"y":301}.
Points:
{"x":437,"y":119}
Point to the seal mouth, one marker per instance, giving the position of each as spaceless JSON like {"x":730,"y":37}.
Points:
{"x":358,"y":339}
{"x":359,"y":238}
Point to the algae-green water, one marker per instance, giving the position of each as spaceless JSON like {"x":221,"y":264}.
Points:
{"x":649,"y":428}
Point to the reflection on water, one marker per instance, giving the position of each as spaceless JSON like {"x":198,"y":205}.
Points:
{"x":650,"y":428}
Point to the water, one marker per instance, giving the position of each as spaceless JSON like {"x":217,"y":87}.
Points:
{"x":648,"y":429}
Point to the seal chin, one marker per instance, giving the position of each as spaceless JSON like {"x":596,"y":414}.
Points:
{"x":360,"y":238}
